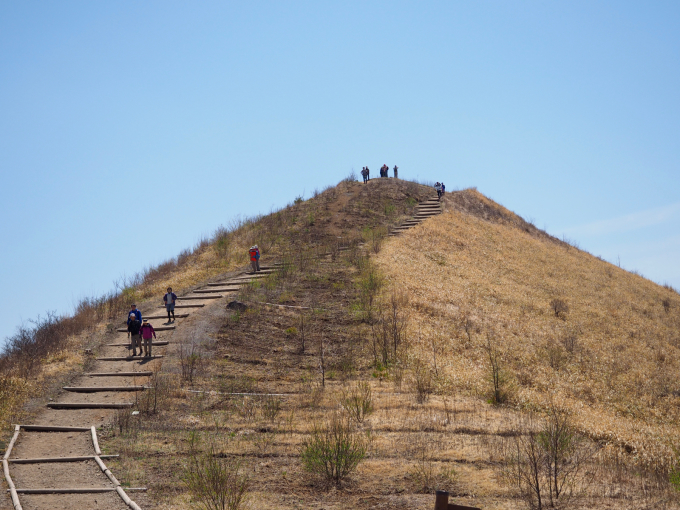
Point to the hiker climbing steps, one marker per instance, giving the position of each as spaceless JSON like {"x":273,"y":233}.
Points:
{"x":85,"y":402}
{"x":424,"y":211}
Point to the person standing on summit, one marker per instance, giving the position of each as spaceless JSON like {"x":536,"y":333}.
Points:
{"x":255,"y":258}
{"x":396,"y":173}
{"x":438,"y":188}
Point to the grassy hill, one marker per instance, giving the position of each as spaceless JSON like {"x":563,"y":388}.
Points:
{"x":468,"y":335}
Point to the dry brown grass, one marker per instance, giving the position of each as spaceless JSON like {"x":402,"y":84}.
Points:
{"x":609,"y":353}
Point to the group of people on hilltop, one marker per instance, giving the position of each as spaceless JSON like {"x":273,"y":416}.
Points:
{"x":440,"y":188}
{"x":366,"y":173}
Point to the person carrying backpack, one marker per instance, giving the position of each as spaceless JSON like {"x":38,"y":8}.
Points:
{"x":443,"y":189}
{"x":169,"y":300}
{"x":438,"y":187}
{"x":134,"y":324}
{"x":255,"y":258}
{"x":146,"y":332}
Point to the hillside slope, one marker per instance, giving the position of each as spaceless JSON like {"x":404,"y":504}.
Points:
{"x":611,"y":357}
{"x":412,"y":318}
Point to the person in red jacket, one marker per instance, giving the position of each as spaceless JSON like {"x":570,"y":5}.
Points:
{"x":147,"y":333}
{"x":255,"y":258}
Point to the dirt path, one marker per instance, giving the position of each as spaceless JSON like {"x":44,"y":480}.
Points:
{"x":84,"y":482}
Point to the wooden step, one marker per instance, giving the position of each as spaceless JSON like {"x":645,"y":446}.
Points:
{"x":90,"y":405}
{"x":221,"y":284}
{"x":47,"y":460}
{"x":74,"y":490}
{"x":128,"y":358}
{"x":189,"y":298}
{"x":95,"y":389}
{"x":197,"y":305}
{"x":130,"y":345}
{"x":53,"y":428}
{"x":177,"y":316}
{"x":119,"y":374}
{"x":212,"y":291}
{"x":156,"y":328}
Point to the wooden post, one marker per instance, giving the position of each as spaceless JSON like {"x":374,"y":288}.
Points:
{"x":441,"y":501}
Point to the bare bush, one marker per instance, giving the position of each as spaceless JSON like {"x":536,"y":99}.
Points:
{"x":389,"y":330}
{"x":156,"y":394}
{"x":666,"y":303}
{"x":498,"y":376}
{"x":559,"y":307}
{"x":421,"y":381}
{"x":426,"y":474}
{"x":547,"y":463}
{"x":216,"y":483}
{"x":570,"y":342}
{"x":190,"y":360}
{"x":271,"y":407}
{"x":334,"y":449}
{"x":357,"y":400}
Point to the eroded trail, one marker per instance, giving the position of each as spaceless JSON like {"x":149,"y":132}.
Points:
{"x":56,"y":463}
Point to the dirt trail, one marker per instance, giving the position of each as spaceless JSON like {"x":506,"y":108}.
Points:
{"x":88,"y":474}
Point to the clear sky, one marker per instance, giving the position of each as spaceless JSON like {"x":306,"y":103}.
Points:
{"x":130,"y":129}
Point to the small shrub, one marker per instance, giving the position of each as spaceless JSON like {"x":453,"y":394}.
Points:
{"x":427,"y":476}
{"x":216,"y":483}
{"x":238,"y":384}
{"x":271,"y":408}
{"x":554,"y":354}
{"x":498,"y":376}
{"x":358,"y":401}
{"x":559,"y":307}
{"x":666,"y":303}
{"x":334,"y":449}
{"x":156,"y":395}
{"x":421,"y":382}
{"x":298,"y":200}
{"x":246,"y":408}
{"x":291,"y":332}
{"x":570,"y":342}
{"x":351,"y":177}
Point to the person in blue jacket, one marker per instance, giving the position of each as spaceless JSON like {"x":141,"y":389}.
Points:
{"x":135,"y":312}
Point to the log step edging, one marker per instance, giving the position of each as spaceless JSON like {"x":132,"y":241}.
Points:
{"x":95,"y":389}
{"x":90,"y":405}
{"x":49,"y":460}
{"x":119,"y":374}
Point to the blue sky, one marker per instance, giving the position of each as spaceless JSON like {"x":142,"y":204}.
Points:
{"x":130,"y":129}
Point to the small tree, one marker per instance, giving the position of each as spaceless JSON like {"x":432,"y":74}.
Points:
{"x":498,"y":376}
{"x":334,"y":449}
{"x":547,"y":464}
